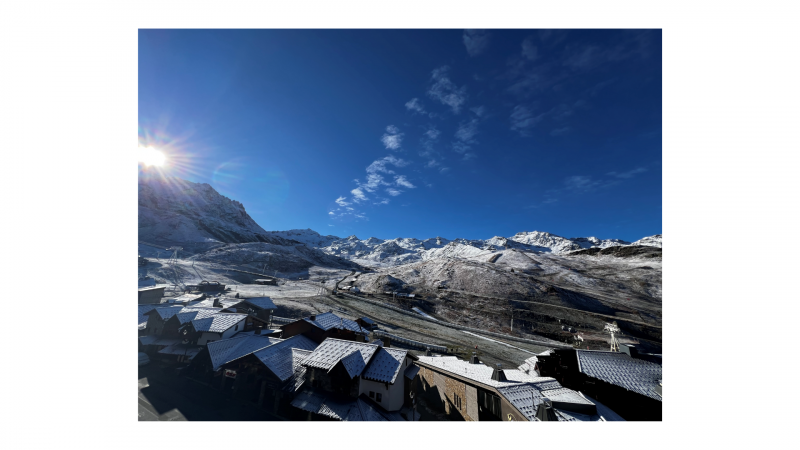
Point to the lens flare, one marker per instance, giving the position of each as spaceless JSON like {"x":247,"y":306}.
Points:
{"x":151,"y":157}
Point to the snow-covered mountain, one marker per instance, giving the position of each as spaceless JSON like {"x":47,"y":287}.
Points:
{"x":651,"y":241}
{"x":176,"y":210}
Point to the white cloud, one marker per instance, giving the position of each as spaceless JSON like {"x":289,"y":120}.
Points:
{"x":446,"y":91}
{"x":559,"y":131}
{"x":394,"y":192}
{"x":433,"y":133}
{"x":384,"y":201}
{"x":467,"y":130}
{"x":342,"y":201}
{"x":580,"y":183}
{"x":444,"y":170}
{"x":476,"y":41}
{"x":460,"y":147}
{"x":529,"y":50}
{"x":468,"y":156}
{"x":415,"y":105}
{"x":402,"y":181}
{"x":331,"y":213}
{"x":379,"y":165}
{"x":628,"y":174}
{"x":522,"y":119}
{"x":358,"y":195}
{"x":479,"y":110}
{"x":432,"y":163}
{"x":392,"y":138}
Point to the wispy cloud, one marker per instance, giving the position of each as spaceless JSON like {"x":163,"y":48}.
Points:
{"x":628,"y":174}
{"x":476,"y":41}
{"x":581,"y":183}
{"x":479,"y":111}
{"x":392,"y":138}
{"x":523,"y":119}
{"x":401,"y":180}
{"x":415,"y":105}
{"x":393,"y":192}
{"x":342,"y":201}
{"x":445,"y":91}
{"x":467,"y":130}
{"x":358,"y":195}
{"x":433,"y":133}
{"x":529,"y":50}
{"x":559,"y":131}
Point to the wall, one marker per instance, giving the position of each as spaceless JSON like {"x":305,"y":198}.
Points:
{"x":393,"y":396}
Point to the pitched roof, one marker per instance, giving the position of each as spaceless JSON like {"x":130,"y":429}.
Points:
{"x":187,"y":315}
{"x":329,"y":320}
{"x":142,"y":317}
{"x":385,"y":365}
{"x":341,"y":408}
{"x":617,"y":368}
{"x":181,"y":350}
{"x":230,"y":302}
{"x":353,"y":355}
{"x":280,"y":358}
{"x":529,"y":366}
{"x":226,"y":350}
{"x":478,"y":372}
{"x":527,"y":398}
{"x":218,"y":323}
{"x":261,"y":302}
{"x":298,"y":369}
{"x":165,"y":312}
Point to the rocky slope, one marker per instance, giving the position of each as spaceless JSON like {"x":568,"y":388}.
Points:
{"x":176,"y":210}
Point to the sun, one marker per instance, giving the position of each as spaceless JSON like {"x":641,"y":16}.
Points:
{"x":151,"y":157}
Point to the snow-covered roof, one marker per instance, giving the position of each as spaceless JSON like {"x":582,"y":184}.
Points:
{"x":181,"y":350}
{"x":229,"y":302}
{"x":143,"y":309}
{"x":218,"y":323}
{"x":165,"y":312}
{"x":186,"y":315}
{"x":618,"y":368}
{"x":529,"y":366}
{"x":261,"y":302}
{"x":345,"y":410}
{"x":226,"y":350}
{"x":298,"y":369}
{"x":479,"y":372}
{"x":279,"y":357}
{"x":157,"y":340}
{"x":329,"y":320}
{"x":353,"y":355}
{"x":527,"y":398}
{"x":385,"y":365}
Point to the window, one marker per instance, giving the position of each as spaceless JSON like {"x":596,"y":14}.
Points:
{"x":457,"y":401}
{"x":237,"y":328}
{"x":371,"y":394}
{"x":378,"y":397}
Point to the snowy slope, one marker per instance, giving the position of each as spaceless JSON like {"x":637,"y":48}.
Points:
{"x":172,"y":209}
{"x":652,"y":241}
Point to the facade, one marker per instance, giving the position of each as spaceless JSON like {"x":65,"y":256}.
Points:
{"x":150,"y":294}
{"x":475,"y":392}
{"x":628,"y":383}
{"x":343,"y":376}
{"x":261,"y":307}
{"x":320,"y":327}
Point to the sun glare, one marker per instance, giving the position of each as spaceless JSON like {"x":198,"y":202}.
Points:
{"x":151,"y":157}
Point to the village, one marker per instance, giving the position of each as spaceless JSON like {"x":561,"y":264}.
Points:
{"x":217,"y":352}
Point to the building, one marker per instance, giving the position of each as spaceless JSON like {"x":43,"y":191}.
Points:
{"x":261,"y":307}
{"x":157,"y":318}
{"x":367,"y":323}
{"x":143,"y":310}
{"x":186,"y":299}
{"x":343,"y":376}
{"x":269,"y":376}
{"x":150,"y":294}
{"x":220,"y":326}
{"x":266,"y":281}
{"x":319,"y":327}
{"x":472,"y":391}
{"x":628,"y":382}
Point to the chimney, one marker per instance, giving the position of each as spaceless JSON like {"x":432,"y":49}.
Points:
{"x":545,"y":412}
{"x":258,"y":331}
{"x":427,"y":351}
{"x":474,"y":358}
{"x":631,"y":350}
{"x":498,"y":375}
{"x":216,"y":303}
{"x":312,"y":317}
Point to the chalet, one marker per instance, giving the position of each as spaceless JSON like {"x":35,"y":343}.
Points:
{"x":261,"y":307}
{"x":157,"y":317}
{"x":186,"y":299}
{"x":150,"y":294}
{"x":143,"y":310}
{"x":367,"y":323}
{"x":219,"y":326}
{"x":271,"y":375}
{"x":627,"y":381}
{"x":342,"y":376}
{"x":473,"y":391}
{"x":320,"y":327}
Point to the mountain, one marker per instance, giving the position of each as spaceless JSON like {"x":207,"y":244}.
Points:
{"x":651,"y":241}
{"x":176,"y":210}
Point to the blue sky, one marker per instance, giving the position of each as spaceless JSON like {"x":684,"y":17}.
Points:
{"x":414,"y":133}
